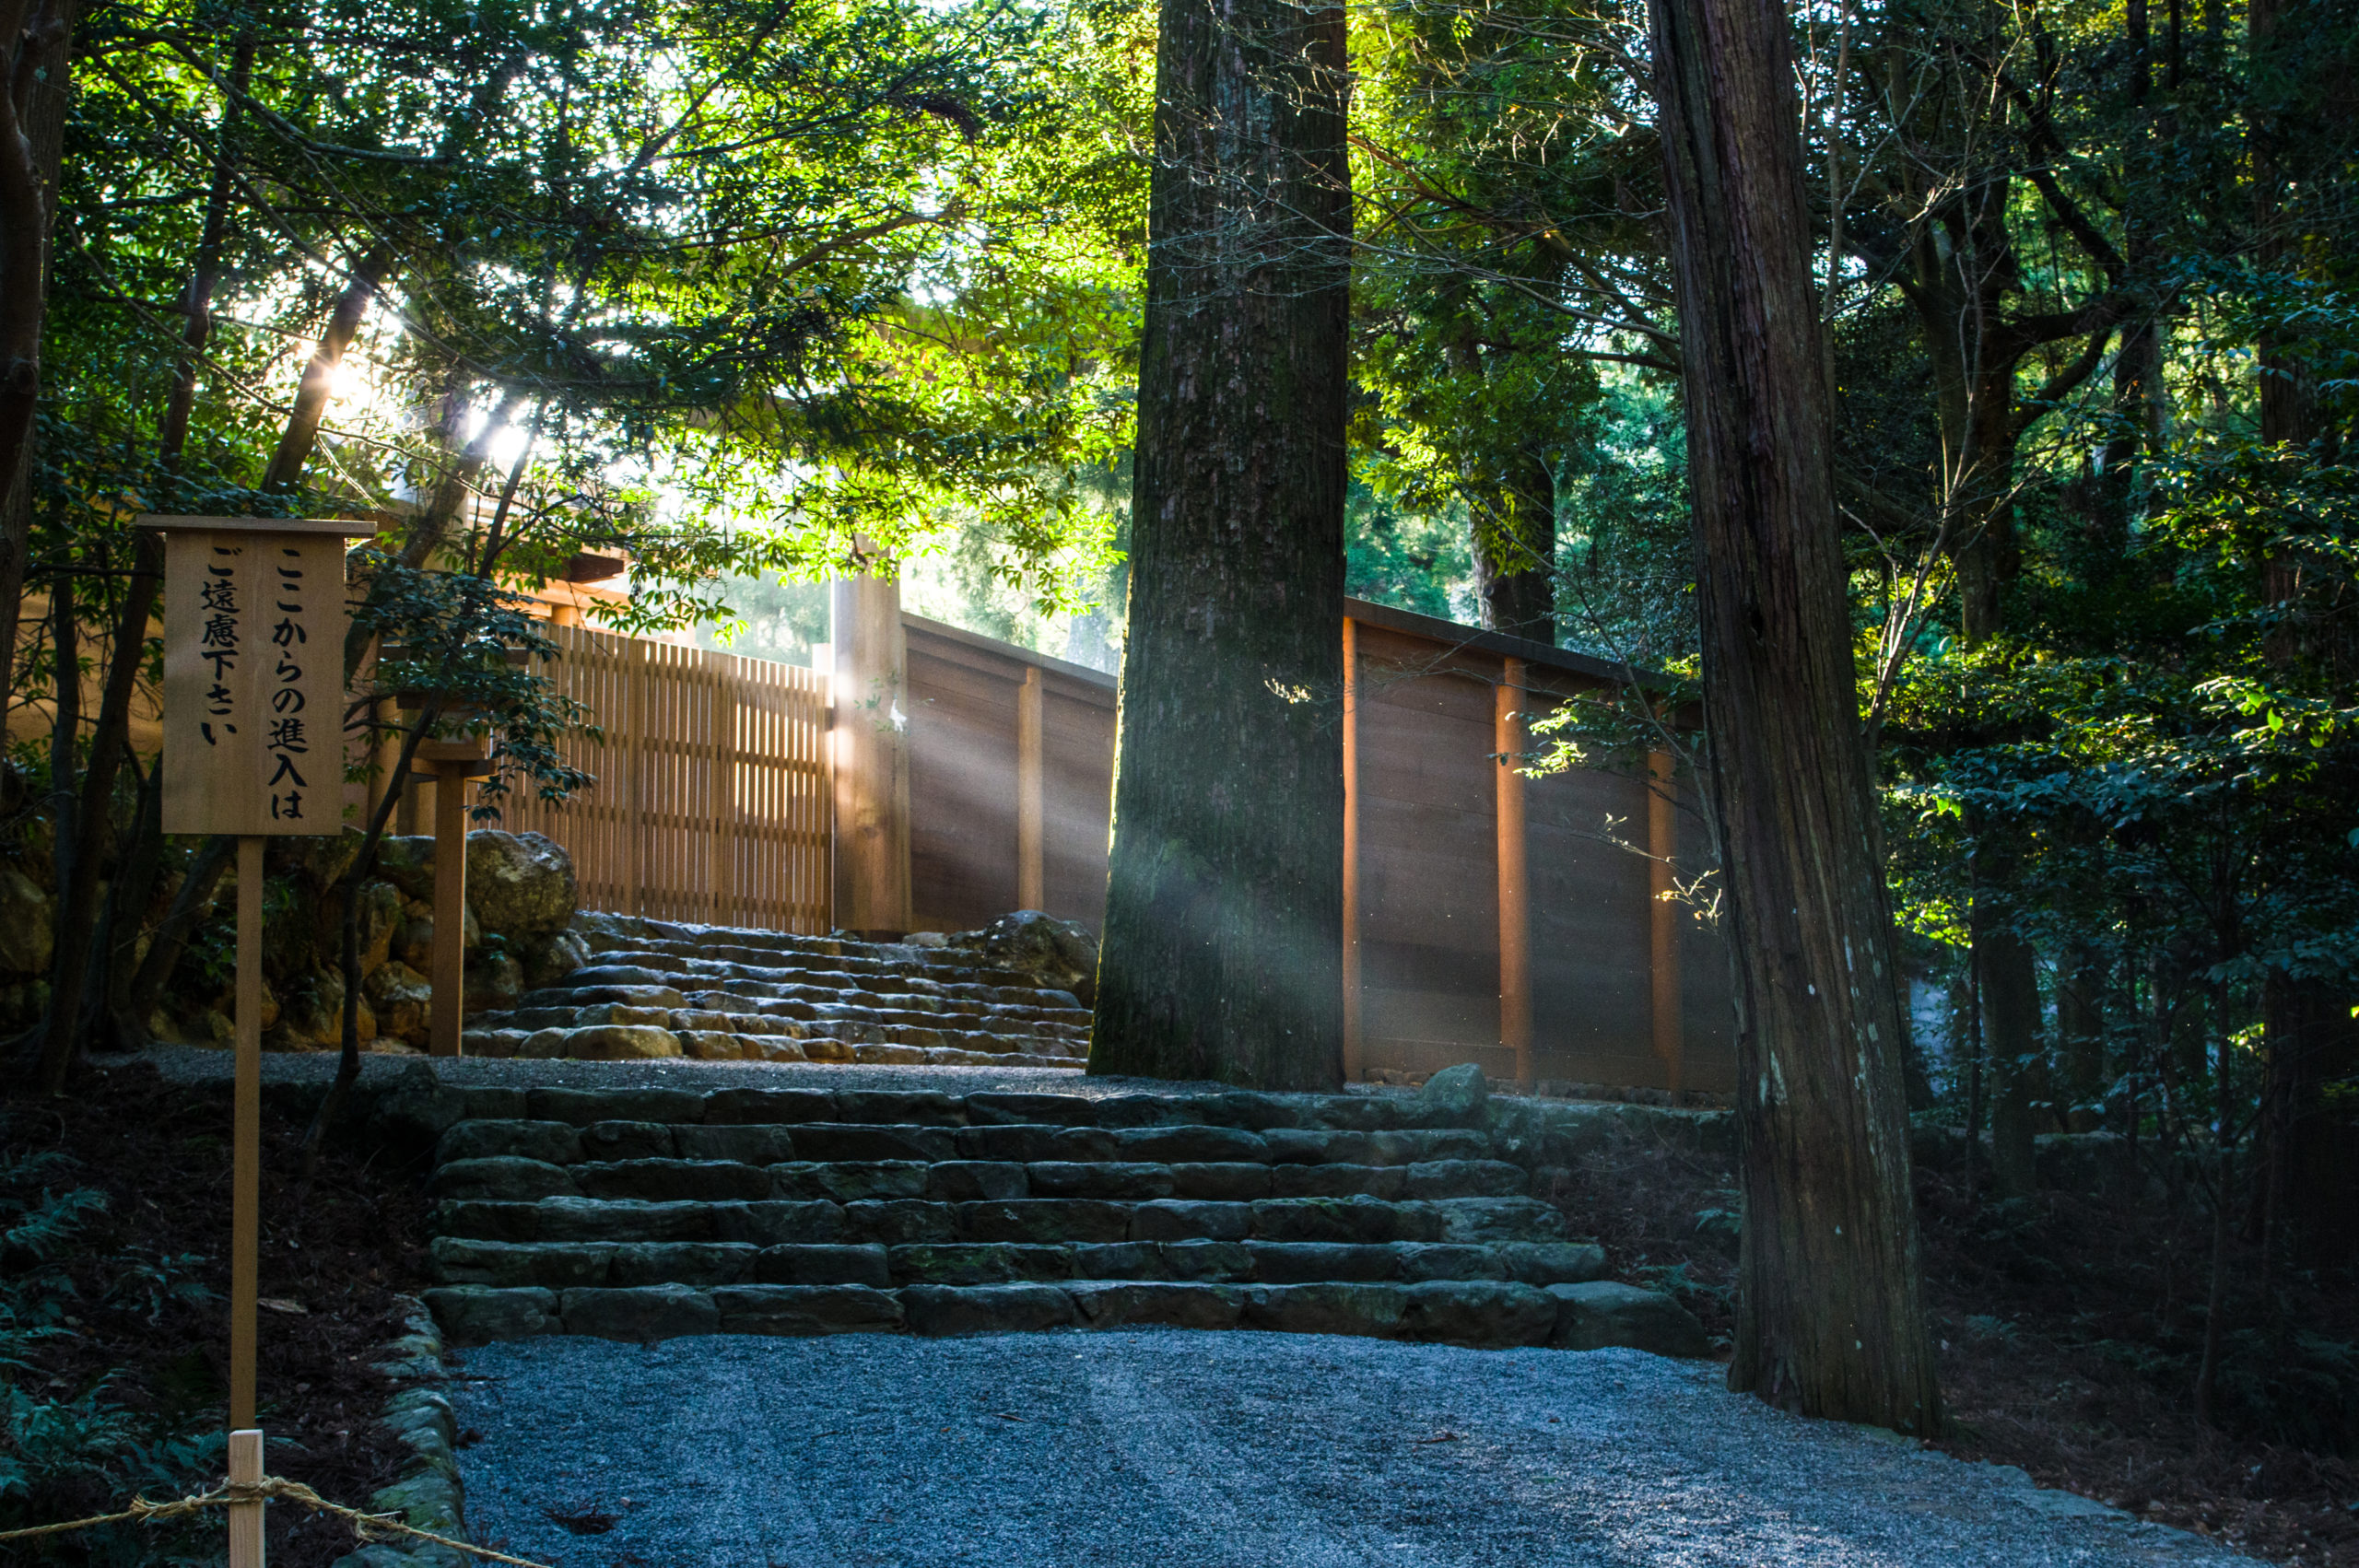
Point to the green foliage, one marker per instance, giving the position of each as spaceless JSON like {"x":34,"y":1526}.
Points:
{"x":63,"y":1452}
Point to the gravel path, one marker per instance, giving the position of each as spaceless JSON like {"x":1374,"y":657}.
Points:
{"x":1200,"y":1450}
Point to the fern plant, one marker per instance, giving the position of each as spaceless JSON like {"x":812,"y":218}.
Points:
{"x":83,"y":1447}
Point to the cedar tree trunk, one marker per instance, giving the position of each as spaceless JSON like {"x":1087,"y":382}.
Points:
{"x":1223,"y":953}
{"x":1830,"y":1316}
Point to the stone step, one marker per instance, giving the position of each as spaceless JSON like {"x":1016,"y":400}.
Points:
{"x":1496,"y":1313}
{"x":664,"y":1007}
{"x":641,"y":1213}
{"x":768,"y":1132}
{"x":488,"y":1036}
{"x":662,"y":1177}
{"x":722,"y":1202}
{"x":1517,"y":1122}
{"x":459,"y":1261}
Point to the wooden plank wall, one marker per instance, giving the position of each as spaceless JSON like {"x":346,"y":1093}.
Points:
{"x":964,"y":691}
{"x":712,"y":802}
{"x":1428,"y":882}
{"x":1428,"y":836}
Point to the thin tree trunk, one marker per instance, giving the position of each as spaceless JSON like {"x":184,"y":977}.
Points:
{"x":117,"y":946}
{"x":96,"y":1014}
{"x":2011,"y":1031}
{"x":2215,"y":1316}
{"x":1830,"y":1317}
{"x":302,"y":432}
{"x":197,"y":305}
{"x":1973,"y":1094}
{"x":78,"y":890}
{"x":191,"y":903}
{"x":2079,"y":1021}
{"x":368,"y":277}
{"x":1223,"y":954}
{"x":347,"y":1068}
{"x":40,"y":35}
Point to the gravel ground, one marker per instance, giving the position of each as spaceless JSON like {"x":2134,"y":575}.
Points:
{"x":195,"y":1064}
{"x":1202,"y":1450}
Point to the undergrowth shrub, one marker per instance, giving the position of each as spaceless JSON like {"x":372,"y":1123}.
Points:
{"x":69,"y":1452}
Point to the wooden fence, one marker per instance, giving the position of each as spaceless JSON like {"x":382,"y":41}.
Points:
{"x":713,"y":801}
{"x":1511,"y":921}
{"x":1011,"y":780}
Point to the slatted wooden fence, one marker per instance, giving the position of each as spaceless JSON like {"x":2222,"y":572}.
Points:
{"x":714,"y":801}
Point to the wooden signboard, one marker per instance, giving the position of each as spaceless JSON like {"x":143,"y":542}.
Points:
{"x":254,"y":621}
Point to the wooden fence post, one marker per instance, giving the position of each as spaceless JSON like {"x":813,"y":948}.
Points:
{"x":720,"y":822}
{"x":872,"y":758}
{"x":446,"y":1010}
{"x":1664,"y":916}
{"x":1031,"y":847}
{"x":245,"y":1518}
{"x":1515,"y":888}
{"x":245,"y":1140}
{"x":1354,"y":1039}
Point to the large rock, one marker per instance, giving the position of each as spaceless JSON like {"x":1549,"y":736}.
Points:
{"x":548,"y":960}
{"x":1606,"y":1313}
{"x":620,"y":1042}
{"x":1478,"y":1312}
{"x":494,"y":981}
{"x":403,"y":1000}
{"x":26,"y":939}
{"x":1456,"y":1096}
{"x":521,"y":884}
{"x":312,"y":1009}
{"x":643,"y":1313}
{"x":941,"y":1310}
{"x":474,"y":1314}
{"x":1058,"y":955}
{"x":408,"y":863}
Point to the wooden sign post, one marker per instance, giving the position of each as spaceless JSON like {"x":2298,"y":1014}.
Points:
{"x":254,"y":622}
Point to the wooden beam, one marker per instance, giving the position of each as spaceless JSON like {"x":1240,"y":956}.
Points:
{"x":1031,"y":848}
{"x":1515,"y":885}
{"x":245,"y":1141}
{"x":1663,"y":917}
{"x":872,"y":758}
{"x":1354,"y":1039}
{"x":449,"y":979}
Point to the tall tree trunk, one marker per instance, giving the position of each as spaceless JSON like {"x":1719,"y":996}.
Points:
{"x":2081,"y":1025}
{"x":1223,"y":954}
{"x":2011,"y":1029}
{"x":1830,"y":1316}
{"x":36,"y":39}
{"x":1515,"y":552}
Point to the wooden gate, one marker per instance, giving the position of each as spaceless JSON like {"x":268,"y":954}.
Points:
{"x":713,"y":800}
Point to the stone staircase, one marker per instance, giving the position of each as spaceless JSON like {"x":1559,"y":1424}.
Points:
{"x":653,"y":988}
{"x":647,"y":1214}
